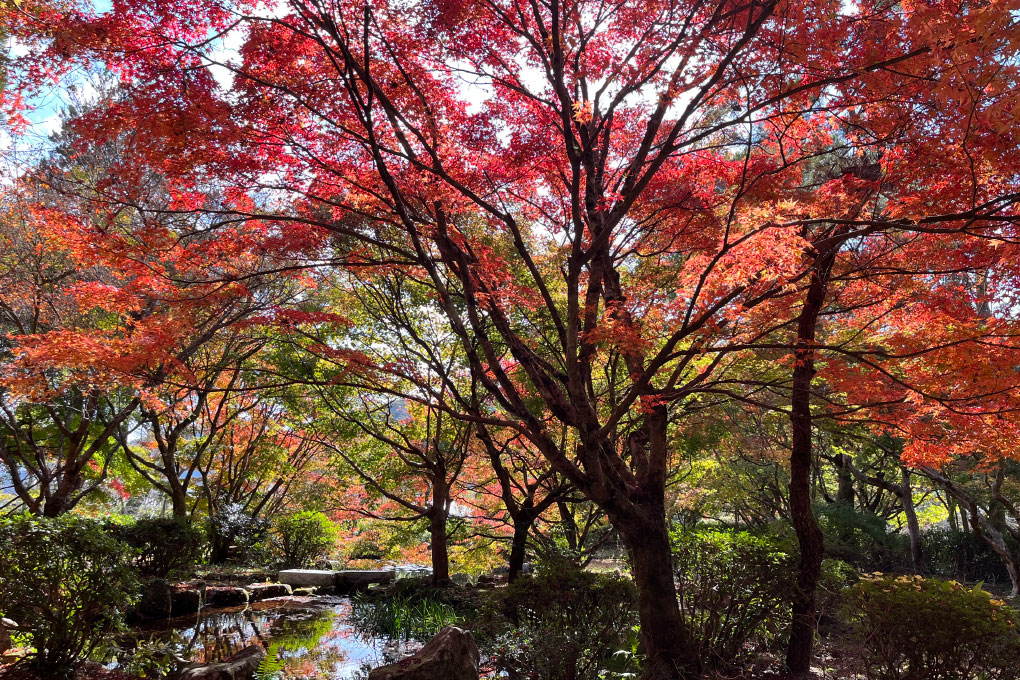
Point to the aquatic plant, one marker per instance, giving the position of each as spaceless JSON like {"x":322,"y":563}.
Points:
{"x":416,"y":616}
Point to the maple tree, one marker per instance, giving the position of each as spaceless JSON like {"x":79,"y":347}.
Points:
{"x":525,"y":487}
{"x":47,"y":443}
{"x":623,"y":201}
{"x":168,"y":441}
{"x":103,"y":306}
{"x":254,"y":459}
{"x":389,"y":428}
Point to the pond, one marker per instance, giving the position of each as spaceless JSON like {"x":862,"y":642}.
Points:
{"x":305,"y":638}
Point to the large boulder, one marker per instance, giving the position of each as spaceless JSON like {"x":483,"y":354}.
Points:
{"x":450,"y":655}
{"x":241,"y":666}
{"x":263,"y":591}
{"x":161,"y":599}
{"x":185,"y":601}
{"x":225,"y":596}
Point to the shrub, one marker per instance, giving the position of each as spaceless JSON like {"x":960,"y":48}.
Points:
{"x":835,"y":578}
{"x":561,"y":624}
{"x":963,"y":555}
{"x":67,"y":583}
{"x":303,"y":538}
{"x":365,"y":548}
{"x":861,"y":538}
{"x":235,"y":527}
{"x":911,"y":628}
{"x":164,"y":546}
{"x":734,"y":591}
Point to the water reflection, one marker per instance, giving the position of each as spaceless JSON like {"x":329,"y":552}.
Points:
{"x":303,"y":638}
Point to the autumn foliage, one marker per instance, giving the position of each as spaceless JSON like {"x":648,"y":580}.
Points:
{"x":621,"y":215}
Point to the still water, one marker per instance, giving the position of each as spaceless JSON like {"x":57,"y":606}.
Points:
{"x":305,"y":638}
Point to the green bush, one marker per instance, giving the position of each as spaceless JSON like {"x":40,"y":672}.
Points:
{"x":303,"y":538}
{"x":165,"y":546}
{"x":862,"y":539}
{"x":561,"y":624}
{"x":911,"y":628}
{"x":734,"y":591}
{"x":365,"y":548}
{"x":963,"y":555}
{"x":235,"y":529}
{"x":835,"y":578}
{"x":67,"y":583}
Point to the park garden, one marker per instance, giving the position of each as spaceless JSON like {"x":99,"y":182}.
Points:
{"x":525,"y":339}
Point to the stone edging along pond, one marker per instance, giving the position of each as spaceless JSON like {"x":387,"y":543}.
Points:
{"x":162,"y":599}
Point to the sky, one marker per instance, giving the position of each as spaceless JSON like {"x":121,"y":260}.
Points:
{"x":46,"y":113}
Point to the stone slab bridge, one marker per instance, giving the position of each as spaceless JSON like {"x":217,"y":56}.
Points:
{"x":343,"y":581}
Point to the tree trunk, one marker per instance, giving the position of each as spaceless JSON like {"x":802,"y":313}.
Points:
{"x":666,"y":647}
{"x":569,"y":526}
{"x":981,"y":526}
{"x":219,"y":551}
{"x":59,"y":501}
{"x":954,"y":524}
{"x":993,"y":537}
{"x":845,"y":490}
{"x":54,"y":506}
{"x":913,"y":528}
{"x":518,"y":546}
{"x":178,"y":501}
{"x":440,"y":552}
{"x":809,"y":536}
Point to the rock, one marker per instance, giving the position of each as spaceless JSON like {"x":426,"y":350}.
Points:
{"x":160,"y":599}
{"x":450,"y":655}
{"x":154,"y":602}
{"x":263,"y":591}
{"x":306,"y":577}
{"x":225,"y":596}
{"x":330,"y":565}
{"x":241,"y":666}
{"x":185,"y":601}
{"x":347,"y":581}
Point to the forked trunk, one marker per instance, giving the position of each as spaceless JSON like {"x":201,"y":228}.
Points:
{"x":179,"y":501}
{"x":59,"y":501}
{"x":53,"y":507}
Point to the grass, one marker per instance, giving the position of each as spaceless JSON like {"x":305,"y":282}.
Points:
{"x":403,"y":617}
